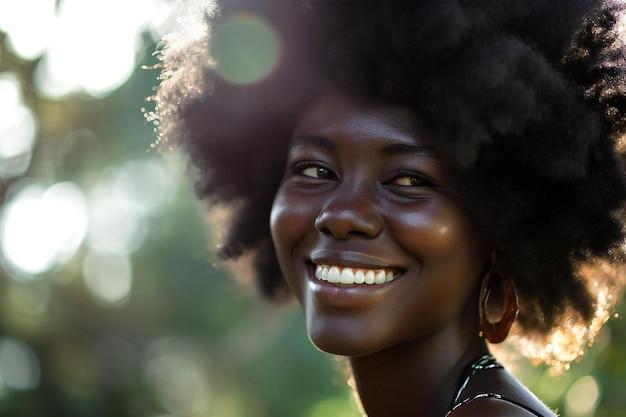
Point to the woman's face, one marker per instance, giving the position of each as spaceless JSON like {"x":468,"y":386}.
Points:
{"x":368,"y":232}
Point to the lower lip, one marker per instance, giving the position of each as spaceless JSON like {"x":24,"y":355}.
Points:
{"x":344,"y":295}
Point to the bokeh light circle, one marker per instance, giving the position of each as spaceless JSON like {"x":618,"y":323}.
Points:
{"x":175,"y":370}
{"x":109,"y":277}
{"x":42,"y":228}
{"x":582,"y":398}
{"x":18,"y":18}
{"x":18,"y":128}
{"x":246,"y":49}
{"x":19,"y":365}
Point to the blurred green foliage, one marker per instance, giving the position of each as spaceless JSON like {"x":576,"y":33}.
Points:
{"x":185,"y":340}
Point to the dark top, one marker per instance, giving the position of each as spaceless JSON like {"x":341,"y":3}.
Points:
{"x":484,"y":362}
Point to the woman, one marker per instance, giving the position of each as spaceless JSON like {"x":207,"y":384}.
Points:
{"x":420,"y":176}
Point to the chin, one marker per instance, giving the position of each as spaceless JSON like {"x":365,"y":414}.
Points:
{"x":342,"y":343}
{"x":341,"y":348}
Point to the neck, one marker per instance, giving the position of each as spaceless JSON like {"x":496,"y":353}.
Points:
{"x":419,"y":377}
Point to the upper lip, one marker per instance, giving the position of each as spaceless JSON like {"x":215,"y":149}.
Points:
{"x":349,"y":259}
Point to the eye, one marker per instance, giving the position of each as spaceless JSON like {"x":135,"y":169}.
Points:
{"x":313,"y":170}
{"x":317,"y":172}
{"x":406,"y":181}
{"x":411,"y":179}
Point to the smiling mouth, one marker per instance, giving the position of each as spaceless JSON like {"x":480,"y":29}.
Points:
{"x":354,"y":276}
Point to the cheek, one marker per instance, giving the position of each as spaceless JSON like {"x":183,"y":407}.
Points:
{"x":421,"y":230}
{"x":442,"y":233}
{"x":291,"y":222}
{"x":288,"y":221}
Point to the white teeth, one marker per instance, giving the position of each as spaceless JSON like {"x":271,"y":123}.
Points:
{"x":347,"y":276}
{"x":337,"y":275}
{"x":319,"y":272}
{"x":333,"y":275}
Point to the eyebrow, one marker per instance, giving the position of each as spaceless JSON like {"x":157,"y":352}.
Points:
{"x":320,"y":141}
{"x":392,"y":149}
{"x":407,"y":149}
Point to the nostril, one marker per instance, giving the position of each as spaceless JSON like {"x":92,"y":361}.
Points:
{"x":322,"y":226}
{"x":344,"y":224}
{"x":325,"y":231}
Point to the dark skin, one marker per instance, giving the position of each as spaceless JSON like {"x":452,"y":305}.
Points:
{"x":385,"y":259}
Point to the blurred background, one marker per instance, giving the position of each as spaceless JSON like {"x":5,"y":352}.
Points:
{"x":110,"y":301}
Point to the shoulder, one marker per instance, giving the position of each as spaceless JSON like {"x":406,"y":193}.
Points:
{"x":495,"y":392}
{"x":494,"y":405}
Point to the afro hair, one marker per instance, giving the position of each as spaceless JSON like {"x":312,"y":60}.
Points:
{"x":527,"y":96}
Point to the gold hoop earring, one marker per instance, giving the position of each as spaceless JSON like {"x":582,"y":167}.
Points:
{"x":498,"y":306}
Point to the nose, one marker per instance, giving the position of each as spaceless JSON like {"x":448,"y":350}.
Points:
{"x":350,"y":213}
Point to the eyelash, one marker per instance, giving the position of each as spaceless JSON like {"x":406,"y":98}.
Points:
{"x":298,"y":168}
{"x":424,"y":180}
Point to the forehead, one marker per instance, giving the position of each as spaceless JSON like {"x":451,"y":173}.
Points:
{"x":335,"y":112}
